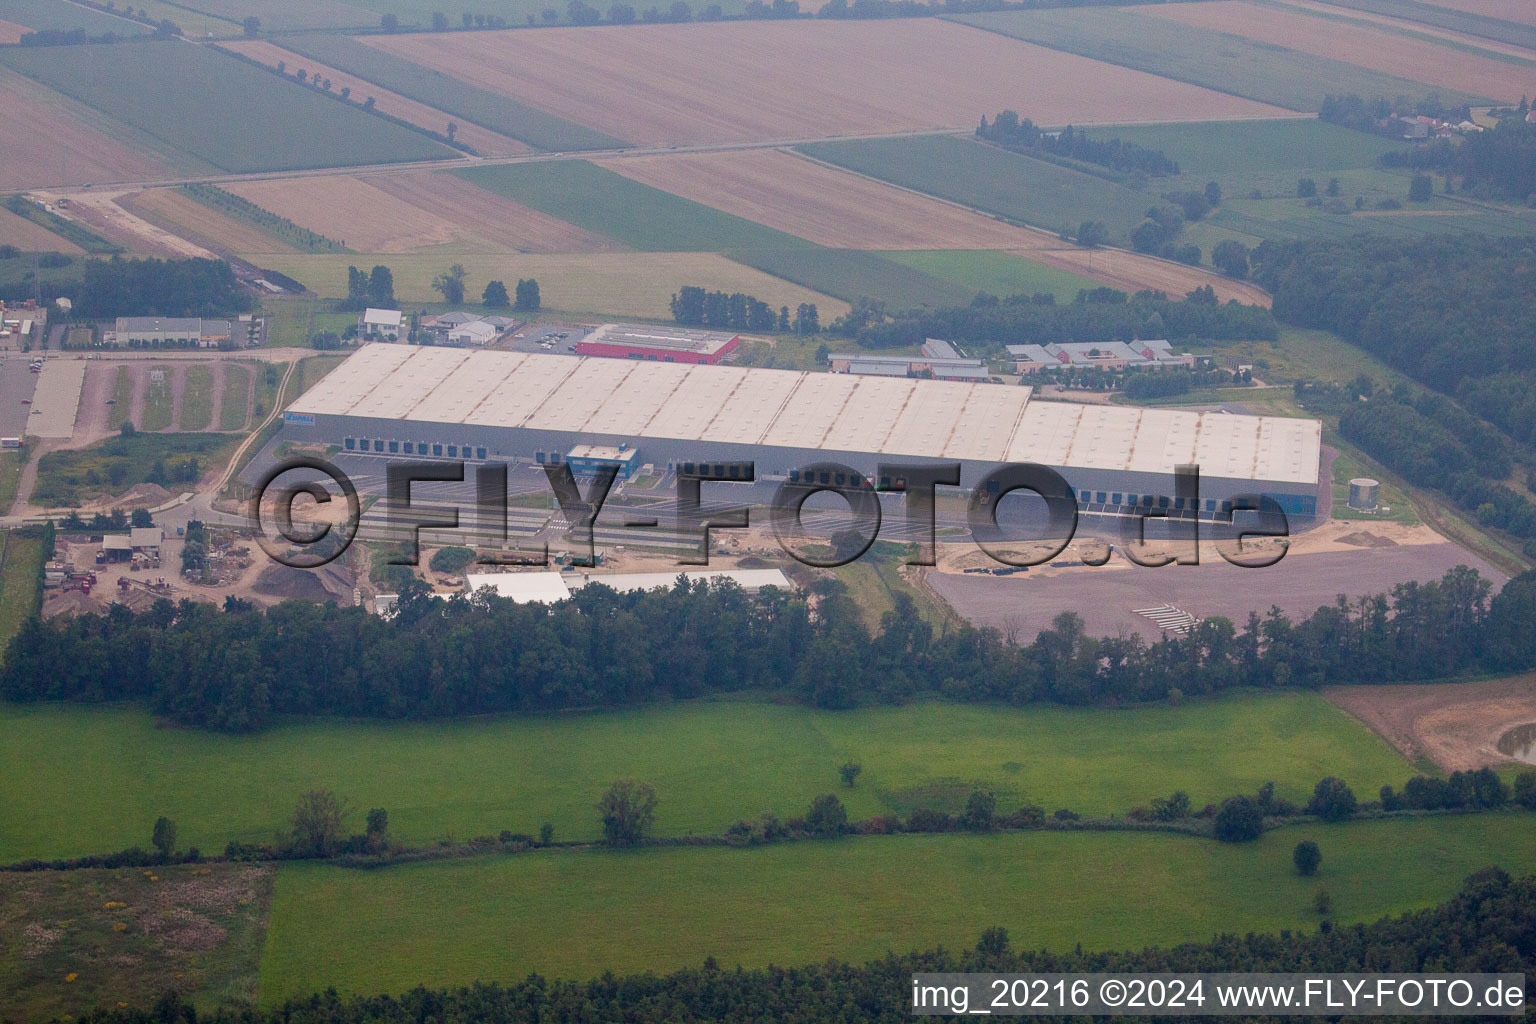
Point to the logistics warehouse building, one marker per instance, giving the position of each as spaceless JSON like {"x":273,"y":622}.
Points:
{"x":412,"y":402}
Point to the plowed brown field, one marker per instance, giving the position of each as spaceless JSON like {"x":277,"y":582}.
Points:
{"x":484,"y":141}
{"x":44,"y":144}
{"x":792,"y":80}
{"x":30,"y":237}
{"x":195,"y":222}
{"x":416,"y":211}
{"x":10,"y":32}
{"x":1455,"y":725}
{"x":1131,"y":271}
{"x":1365,"y":45}
{"x":826,"y":205}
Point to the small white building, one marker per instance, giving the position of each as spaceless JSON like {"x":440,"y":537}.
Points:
{"x":473,"y":334}
{"x":380,"y":324}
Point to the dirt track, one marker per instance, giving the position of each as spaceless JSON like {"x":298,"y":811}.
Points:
{"x":1455,"y":725}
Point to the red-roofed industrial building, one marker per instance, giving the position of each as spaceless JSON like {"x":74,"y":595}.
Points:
{"x":658,"y":344}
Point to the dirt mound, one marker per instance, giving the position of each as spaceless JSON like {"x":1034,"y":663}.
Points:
{"x":137,"y":496}
{"x":285,"y":582}
{"x":72,"y":602}
{"x":1362,"y":539}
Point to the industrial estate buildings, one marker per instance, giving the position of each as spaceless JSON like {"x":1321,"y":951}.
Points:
{"x":1101,"y":355}
{"x":462,"y":404}
{"x":658,"y":344}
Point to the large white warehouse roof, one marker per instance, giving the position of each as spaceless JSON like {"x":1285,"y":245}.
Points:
{"x":781,"y":408}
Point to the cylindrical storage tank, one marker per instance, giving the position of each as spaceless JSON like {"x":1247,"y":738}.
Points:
{"x":1362,"y":493}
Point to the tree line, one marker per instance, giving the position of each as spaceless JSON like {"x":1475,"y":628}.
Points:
{"x":1501,"y":162}
{"x":238,"y":669}
{"x":695,"y":307}
{"x":1011,"y":132}
{"x":1488,"y":925}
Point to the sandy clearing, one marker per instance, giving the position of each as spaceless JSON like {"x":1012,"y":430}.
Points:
{"x":30,"y":237}
{"x":483,"y":140}
{"x":99,"y":211}
{"x":195,"y":222}
{"x":824,"y":204}
{"x":353,"y":212}
{"x":45,"y":145}
{"x":10,"y":32}
{"x":791,"y":80}
{"x":1519,"y":11}
{"x":1131,"y":271}
{"x":1320,"y":7}
{"x":1455,"y":725}
{"x":507,"y":224}
{"x":1369,"y":47}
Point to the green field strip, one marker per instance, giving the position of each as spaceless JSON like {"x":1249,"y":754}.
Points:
{"x":996,"y":273}
{"x":854,"y":274}
{"x":145,"y":85}
{"x":39,"y":15}
{"x":1448,"y":18}
{"x":1217,"y":149}
{"x":538,"y":128}
{"x":285,"y":15}
{"x":854,"y":899}
{"x":1215,"y":60}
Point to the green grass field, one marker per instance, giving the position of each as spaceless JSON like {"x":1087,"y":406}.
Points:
{"x":538,"y":128}
{"x":1231,"y":64}
{"x":1017,"y":187}
{"x":1232,"y":149}
{"x":996,"y":273}
{"x":579,"y":914}
{"x":70,"y":476}
{"x":20,"y":563}
{"x":235,"y":405}
{"x":286,"y":14}
{"x":54,"y":14}
{"x":197,"y":399}
{"x":11,"y":465}
{"x":145,"y":85}
{"x":853,"y":274}
{"x":159,"y":400}
{"x":711,"y":762}
{"x":122,"y":394}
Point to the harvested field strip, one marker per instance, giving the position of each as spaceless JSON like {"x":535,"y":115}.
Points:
{"x":484,"y":214}
{"x":441,"y":91}
{"x":1504,"y":78}
{"x":1273,"y":74}
{"x":46,"y":143}
{"x":669,"y":909}
{"x":1515,"y":23}
{"x":10,"y":32}
{"x":647,"y":84}
{"x":159,"y":398}
{"x":1132,"y":272}
{"x":644,"y":218}
{"x":1455,"y":725}
{"x":853,"y":274}
{"x":30,"y":237}
{"x":984,"y":177}
{"x":70,"y":228}
{"x":615,"y":284}
{"x":176,"y":211}
{"x":100,"y":211}
{"x":281,"y":228}
{"x":145,"y":86}
{"x":823,"y":204}
{"x":235,"y":402}
{"x":196,"y":398}
{"x":481,"y":140}
{"x":1403,"y":26}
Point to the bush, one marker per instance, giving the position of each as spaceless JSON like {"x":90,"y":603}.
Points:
{"x":979,"y":811}
{"x":1332,"y":800}
{"x":828,"y":816}
{"x":1239,"y":820}
{"x":1306,"y":857}
{"x":452,"y":560}
{"x":926,"y":820}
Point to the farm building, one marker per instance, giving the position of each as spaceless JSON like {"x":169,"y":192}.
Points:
{"x":479,"y":405}
{"x":1103,"y":355}
{"x":659,"y":344}
{"x":156,"y":332}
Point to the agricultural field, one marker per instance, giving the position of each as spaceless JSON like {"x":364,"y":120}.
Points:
{"x":1510,"y":21}
{"x":640,"y":83}
{"x":996,"y":273}
{"x":174,"y":210}
{"x":854,"y":274}
{"x":51,"y":140}
{"x":287,"y":14}
{"x":481,"y":140}
{"x":38,"y":15}
{"x":498,"y":113}
{"x":144,"y":85}
{"x":28,"y":236}
{"x":826,"y":205}
{"x":1483,"y":73}
{"x":615,"y":284}
{"x":665,"y":909}
{"x":417,"y":211}
{"x":1506,"y":10}
{"x":1237,"y":152}
{"x":1264,"y":72}
{"x":711,"y":762}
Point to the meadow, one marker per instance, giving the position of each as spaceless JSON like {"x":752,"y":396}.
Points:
{"x":1233,"y":150}
{"x":628,"y":284}
{"x":996,"y":273}
{"x":72,"y":475}
{"x":504,"y":114}
{"x":853,"y":274}
{"x":144,"y":85}
{"x":578,"y":914}
{"x":712,"y":763}
{"x":21,"y":560}
{"x":1020,"y":188}
{"x":1265,"y":72}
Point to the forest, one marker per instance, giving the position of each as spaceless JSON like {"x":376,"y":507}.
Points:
{"x":1488,"y":926}
{"x":154,"y":287}
{"x":238,"y":669}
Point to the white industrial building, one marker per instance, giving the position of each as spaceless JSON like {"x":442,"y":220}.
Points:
{"x":482,"y":405}
{"x":549,"y":587}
